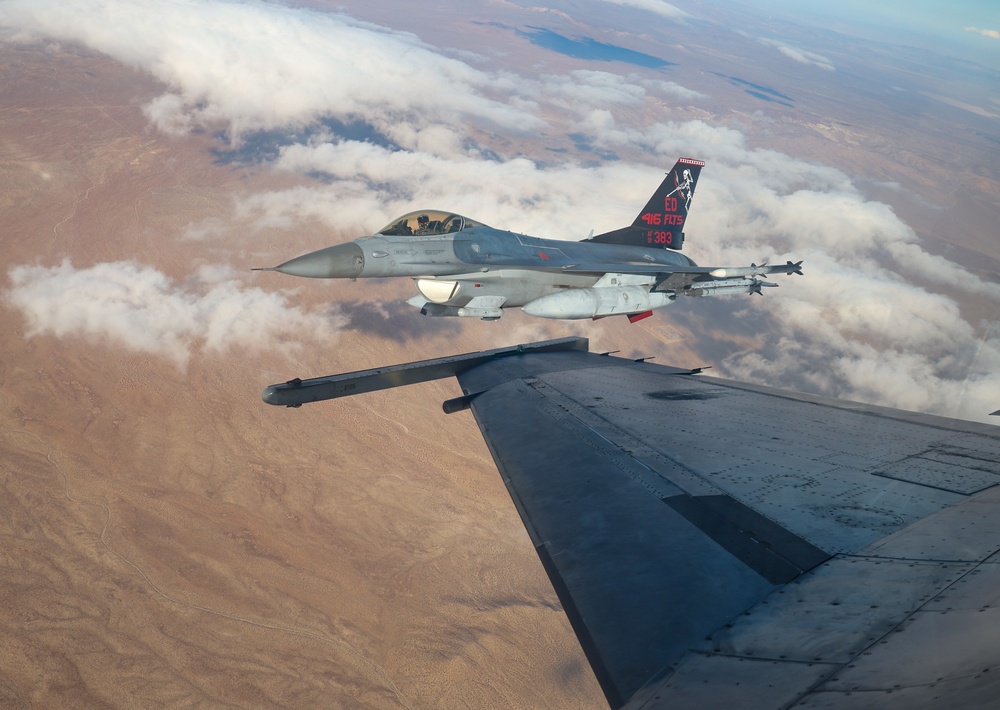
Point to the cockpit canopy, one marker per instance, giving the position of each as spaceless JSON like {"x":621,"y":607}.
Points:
{"x":428,"y":222}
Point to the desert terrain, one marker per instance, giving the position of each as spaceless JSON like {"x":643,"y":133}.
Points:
{"x":169,"y":540}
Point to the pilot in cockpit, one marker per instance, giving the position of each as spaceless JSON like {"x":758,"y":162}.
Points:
{"x":423,"y":225}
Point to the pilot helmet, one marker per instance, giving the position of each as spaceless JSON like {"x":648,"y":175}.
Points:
{"x":423,"y":219}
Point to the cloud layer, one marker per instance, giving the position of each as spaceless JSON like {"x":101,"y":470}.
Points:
{"x":137,"y":306}
{"x":992,"y":34}
{"x":801,"y":56}
{"x":659,"y":7}
{"x":258,"y":66}
{"x":877,"y":317}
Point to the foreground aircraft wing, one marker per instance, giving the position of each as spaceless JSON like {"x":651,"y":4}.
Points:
{"x":719,"y":544}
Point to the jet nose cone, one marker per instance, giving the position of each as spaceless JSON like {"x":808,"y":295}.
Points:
{"x":343,"y":261}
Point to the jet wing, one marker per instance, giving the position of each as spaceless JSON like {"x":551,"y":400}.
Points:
{"x":719,"y":544}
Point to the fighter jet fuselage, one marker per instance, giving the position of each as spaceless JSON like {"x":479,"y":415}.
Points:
{"x":465,"y":268}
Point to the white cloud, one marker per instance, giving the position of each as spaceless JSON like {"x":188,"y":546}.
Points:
{"x":591,"y":88}
{"x":992,"y":34}
{"x":872,"y":319}
{"x":258,"y":66}
{"x":140,"y":308}
{"x":799,"y":55}
{"x":211,"y":227}
{"x":585,"y":89}
{"x":877,"y":347}
{"x":372,"y":184}
{"x":253,"y":66}
{"x":672,"y":90}
{"x":656,"y":6}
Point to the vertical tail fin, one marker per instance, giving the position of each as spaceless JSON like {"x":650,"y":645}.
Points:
{"x":661,"y":222}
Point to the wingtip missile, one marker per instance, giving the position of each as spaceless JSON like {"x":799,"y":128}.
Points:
{"x":754,"y":269}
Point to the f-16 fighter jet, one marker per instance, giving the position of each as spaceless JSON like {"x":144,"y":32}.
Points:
{"x":465,"y":268}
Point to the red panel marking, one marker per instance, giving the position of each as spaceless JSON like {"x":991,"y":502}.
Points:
{"x":636,"y":317}
{"x":691,"y":161}
{"x":543,"y":256}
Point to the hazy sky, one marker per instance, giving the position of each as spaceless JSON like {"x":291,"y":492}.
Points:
{"x":927,"y":21}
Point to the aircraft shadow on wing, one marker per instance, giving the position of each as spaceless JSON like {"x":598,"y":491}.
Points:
{"x":467,"y":269}
{"x":717,"y":544}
